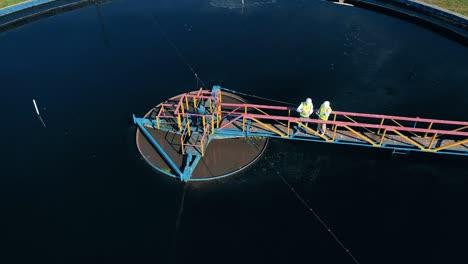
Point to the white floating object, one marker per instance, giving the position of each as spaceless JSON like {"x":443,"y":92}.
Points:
{"x":345,"y":4}
{"x":35,"y":106}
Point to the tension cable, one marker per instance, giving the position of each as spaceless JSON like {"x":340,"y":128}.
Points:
{"x":318,"y":218}
{"x":177,"y":51}
{"x":255,"y":96}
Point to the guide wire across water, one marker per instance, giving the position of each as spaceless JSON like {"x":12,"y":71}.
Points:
{"x":185,"y":61}
{"x":255,"y":96}
{"x":318,"y":218}
{"x":177,"y":51}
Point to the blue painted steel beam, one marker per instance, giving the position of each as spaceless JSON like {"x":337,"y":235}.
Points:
{"x":140,"y":122}
{"x":190,"y":165}
{"x":145,"y":121}
{"x":312,"y":138}
{"x":187,"y":170}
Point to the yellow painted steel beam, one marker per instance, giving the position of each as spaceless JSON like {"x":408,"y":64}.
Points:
{"x":202,"y":145}
{"x":314,"y":132}
{"x":179,"y":122}
{"x":421,"y":147}
{"x":416,"y":135}
{"x":370,"y":141}
{"x":265,"y":113}
{"x":452,"y":145}
{"x":194,"y":103}
{"x":188,"y":127}
{"x":383,"y":137}
{"x":430,"y":125}
{"x":335,"y":127}
{"x":460,"y":128}
{"x":381,"y":123}
{"x":218,"y":108}
{"x":432,"y":141}
{"x":220,"y":100}
{"x":352,"y":120}
{"x":218,"y":116}
{"x":157,"y":121}
{"x":268,"y":127}
{"x":212,"y":123}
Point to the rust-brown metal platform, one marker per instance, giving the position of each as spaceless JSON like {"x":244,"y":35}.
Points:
{"x":223,"y":157}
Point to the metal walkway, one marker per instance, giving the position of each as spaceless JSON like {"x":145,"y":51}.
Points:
{"x":202,"y":116}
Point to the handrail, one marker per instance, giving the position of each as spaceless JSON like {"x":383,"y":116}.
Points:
{"x":403,"y":118}
{"x":375,"y":116}
{"x":351,"y":124}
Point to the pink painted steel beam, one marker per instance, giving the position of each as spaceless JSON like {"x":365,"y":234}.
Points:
{"x":197,"y":96}
{"x":352,"y":124}
{"x":403,"y":118}
{"x":178,"y":107}
{"x":257,"y":106}
{"x":375,"y":116}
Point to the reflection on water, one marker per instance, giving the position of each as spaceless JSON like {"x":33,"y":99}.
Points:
{"x":233,"y":4}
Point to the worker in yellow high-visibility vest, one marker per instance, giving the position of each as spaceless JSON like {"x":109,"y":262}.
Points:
{"x":323,"y":113}
{"x":305,"y":109}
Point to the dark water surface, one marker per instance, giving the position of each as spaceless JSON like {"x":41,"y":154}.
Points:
{"x":78,"y":191}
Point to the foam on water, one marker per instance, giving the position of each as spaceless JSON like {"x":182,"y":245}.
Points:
{"x":234,"y":4}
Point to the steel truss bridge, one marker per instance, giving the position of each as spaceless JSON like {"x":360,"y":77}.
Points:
{"x":202,"y":116}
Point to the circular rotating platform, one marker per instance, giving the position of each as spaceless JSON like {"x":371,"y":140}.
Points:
{"x":223,"y":157}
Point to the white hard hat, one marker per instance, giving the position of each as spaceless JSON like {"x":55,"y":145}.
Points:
{"x":308,"y":101}
{"x":326,"y":103}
